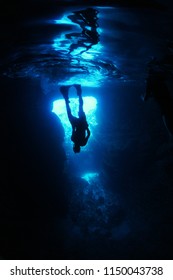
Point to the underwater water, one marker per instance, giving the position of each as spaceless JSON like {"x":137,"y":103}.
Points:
{"x":113,"y":200}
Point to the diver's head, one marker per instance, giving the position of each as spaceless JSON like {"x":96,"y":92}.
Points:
{"x":76,"y":148}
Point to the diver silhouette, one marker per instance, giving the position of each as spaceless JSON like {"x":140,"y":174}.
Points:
{"x":156,"y":87}
{"x":80,"y":130}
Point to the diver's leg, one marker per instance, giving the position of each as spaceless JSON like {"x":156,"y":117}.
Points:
{"x":64,"y":91}
{"x":81,"y":111}
{"x":78,"y":89}
{"x":68,"y":109}
{"x":79,"y":93}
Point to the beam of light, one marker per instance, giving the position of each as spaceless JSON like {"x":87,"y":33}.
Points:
{"x":90,"y":105}
{"x":90,"y":177}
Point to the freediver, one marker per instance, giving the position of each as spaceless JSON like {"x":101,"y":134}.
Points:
{"x":80,"y":130}
{"x":156,"y":87}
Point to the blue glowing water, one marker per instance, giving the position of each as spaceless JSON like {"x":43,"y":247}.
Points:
{"x":89,"y":62}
